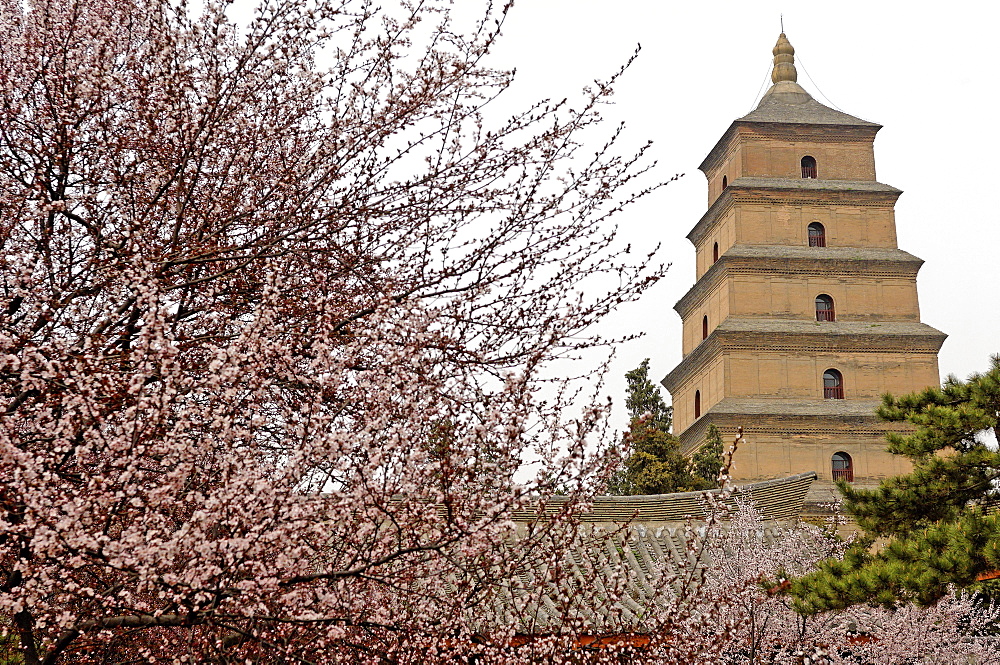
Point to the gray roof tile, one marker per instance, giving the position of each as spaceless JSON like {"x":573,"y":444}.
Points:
{"x":779,"y":499}
{"x":749,"y":182}
{"x":787,"y":102}
{"x":810,"y":327}
{"x":635,"y":570}
{"x":825,"y":253}
{"x":763,"y":406}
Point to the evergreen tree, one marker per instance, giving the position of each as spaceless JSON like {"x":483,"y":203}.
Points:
{"x":939,"y":525}
{"x":707,"y":462}
{"x":644,"y":397}
{"x":655,"y":464}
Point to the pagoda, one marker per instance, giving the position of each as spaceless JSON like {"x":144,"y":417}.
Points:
{"x":804,"y":311}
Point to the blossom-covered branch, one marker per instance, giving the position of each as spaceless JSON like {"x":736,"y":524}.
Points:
{"x":277,"y":297}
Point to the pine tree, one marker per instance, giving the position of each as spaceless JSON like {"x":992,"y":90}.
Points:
{"x":644,"y":397}
{"x":655,"y":464}
{"x":936,"y":526}
{"x":707,"y":462}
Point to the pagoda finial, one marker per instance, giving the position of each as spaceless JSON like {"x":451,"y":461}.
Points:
{"x":784,"y":61}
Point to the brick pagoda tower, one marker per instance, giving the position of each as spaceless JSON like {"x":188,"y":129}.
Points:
{"x":804,"y":311}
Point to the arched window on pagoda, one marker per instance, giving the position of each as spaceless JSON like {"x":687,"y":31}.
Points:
{"x":808,"y":167}
{"x":817,"y":235}
{"x":843,"y":467}
{"x":704,"y":327}
{"x":697,"y":404}
{"x":715,"y":252}
{"x":725,"y":182}
{"x":824,"y":308}
{"x":833,"y":384}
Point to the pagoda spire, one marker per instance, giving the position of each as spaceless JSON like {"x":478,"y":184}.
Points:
{"x":784,"y":61}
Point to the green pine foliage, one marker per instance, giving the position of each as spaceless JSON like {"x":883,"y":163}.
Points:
{"x":655,"y":464}
{"x":707,"y":462}
{"x":643,"y":396}
{"x":934,"y":527}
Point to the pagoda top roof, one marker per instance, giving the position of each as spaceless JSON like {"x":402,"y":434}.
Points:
{"x":788,"y":102}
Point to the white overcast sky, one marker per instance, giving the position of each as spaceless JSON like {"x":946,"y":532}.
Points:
{"x":926,"y":72}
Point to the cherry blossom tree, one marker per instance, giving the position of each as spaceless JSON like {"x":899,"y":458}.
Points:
{"x":281,"y":303}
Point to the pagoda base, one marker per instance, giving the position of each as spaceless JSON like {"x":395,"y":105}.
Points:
{"x":784,"y":437}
